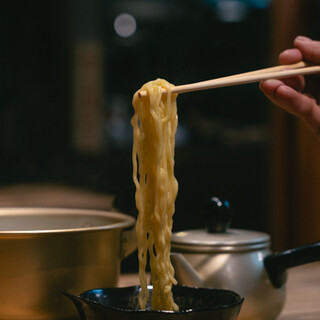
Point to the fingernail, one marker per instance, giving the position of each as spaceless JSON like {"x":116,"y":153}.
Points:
{"x":303,"y":38}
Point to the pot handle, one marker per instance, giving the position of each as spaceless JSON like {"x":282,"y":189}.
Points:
{"x":128,"y":242}
{"x":277,"y":264}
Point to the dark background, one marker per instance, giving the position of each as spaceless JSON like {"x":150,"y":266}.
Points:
{"x":224,"y":132}
{"x":223,"y":138}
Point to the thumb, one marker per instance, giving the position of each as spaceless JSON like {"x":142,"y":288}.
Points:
{"x":309,"y":48}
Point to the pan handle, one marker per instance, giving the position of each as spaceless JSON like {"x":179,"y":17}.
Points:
{"x":277,"y":264}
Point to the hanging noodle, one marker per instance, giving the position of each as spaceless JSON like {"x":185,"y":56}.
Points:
{"x":154,"y":127}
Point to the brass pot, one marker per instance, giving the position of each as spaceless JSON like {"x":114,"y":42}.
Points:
{"x":44,"y":251}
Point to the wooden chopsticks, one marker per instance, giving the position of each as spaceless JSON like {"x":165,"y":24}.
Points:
{"x":278,"y":72}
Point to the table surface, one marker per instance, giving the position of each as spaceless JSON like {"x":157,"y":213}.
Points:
{"x":303,"y":292}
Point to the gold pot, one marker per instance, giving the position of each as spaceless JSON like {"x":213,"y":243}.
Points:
{"x":46,"y":250}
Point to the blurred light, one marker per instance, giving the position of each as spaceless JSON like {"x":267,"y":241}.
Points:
{"x":260,"y":4}
{"x":125,"y":25}
{"x":231,"y":10}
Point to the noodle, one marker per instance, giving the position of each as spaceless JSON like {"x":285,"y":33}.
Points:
{"x":154,"y":127}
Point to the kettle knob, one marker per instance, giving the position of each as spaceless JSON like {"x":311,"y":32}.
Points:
{"x":218,"y":215}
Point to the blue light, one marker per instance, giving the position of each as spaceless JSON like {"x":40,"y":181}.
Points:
{"x":259,"y":4}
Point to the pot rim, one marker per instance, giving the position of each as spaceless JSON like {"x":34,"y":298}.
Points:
{"x":121,"y":220}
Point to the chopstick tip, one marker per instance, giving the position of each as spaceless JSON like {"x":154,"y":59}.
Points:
{"x":142,"y":94}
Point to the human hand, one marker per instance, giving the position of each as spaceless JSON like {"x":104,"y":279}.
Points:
{"x":299,"y":95}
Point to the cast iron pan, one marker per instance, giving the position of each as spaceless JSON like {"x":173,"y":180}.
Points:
{"x":122,"y":304}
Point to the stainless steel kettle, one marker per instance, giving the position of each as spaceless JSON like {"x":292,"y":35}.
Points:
{"x":238,"y":260}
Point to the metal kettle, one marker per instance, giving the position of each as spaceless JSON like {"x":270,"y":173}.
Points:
{"x":238,"y":260}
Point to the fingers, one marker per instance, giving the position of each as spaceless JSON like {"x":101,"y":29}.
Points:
{"x":279,"y":93}
{"x":304,"y":49}
{"x":310,"y":49}
{"x":290,"y":56}
{"x":287,"y":93}
{"x":296,"y":103}
{"x":297,"y":83}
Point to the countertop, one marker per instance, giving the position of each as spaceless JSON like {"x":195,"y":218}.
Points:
{"x":303,"y":292}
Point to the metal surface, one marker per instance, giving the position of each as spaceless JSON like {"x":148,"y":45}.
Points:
{"x":45,"y":250}
{"x":233,"y":240}
{"x":241,"y":272}
{"x":239,"y":260}
{"x":232,"y":260}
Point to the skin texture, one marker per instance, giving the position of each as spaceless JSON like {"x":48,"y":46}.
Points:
{"x":299,"y":95}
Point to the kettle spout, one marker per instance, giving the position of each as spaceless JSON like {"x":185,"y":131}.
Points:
{"x":184,"y":272}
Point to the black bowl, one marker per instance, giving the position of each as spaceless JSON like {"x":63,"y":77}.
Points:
{"x":122,"y":303}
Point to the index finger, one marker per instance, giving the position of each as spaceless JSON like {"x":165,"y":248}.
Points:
{"x":290,"y":56}
{"x":309,"y":48}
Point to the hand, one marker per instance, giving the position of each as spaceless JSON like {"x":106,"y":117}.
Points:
{"x":299,"y":95}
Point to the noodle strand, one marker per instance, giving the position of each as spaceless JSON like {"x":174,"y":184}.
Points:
{"x":154,"y":128}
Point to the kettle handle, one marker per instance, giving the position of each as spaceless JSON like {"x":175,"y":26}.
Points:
{"x":277,"y":264}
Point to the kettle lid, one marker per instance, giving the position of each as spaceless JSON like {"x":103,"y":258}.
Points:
{"x":233,"y":240}
{"x":218,"y":237}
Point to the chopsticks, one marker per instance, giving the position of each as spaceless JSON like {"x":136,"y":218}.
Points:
{"x":278,"y":72}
